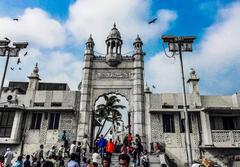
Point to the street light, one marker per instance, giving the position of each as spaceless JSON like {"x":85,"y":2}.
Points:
{"x":6,"y":50}
{"x":182,"y":44}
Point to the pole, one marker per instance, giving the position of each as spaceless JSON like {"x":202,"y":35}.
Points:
{"x":4,"y":74}
{"x":129,"y":121}
{"x":187,"y":133}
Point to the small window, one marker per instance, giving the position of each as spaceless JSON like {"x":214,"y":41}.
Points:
{"x":54,"y":121}
{"x":6,"y":122}
{"x":38,"y":104}
{"x":36,"y":121}
{"x":168,"y":123}
{"x":56,"y":104}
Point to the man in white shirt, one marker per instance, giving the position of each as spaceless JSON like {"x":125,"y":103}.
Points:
{"x":73,"y":147}
{"x":95,"y":157}
{"x":8,"y":158}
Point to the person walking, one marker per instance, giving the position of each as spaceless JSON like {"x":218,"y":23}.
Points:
{"x":110,"y":149}
{"x":106,"y":162}
{"x":8,"y":156}
{"x":101,"y":145}
{"x":73,"y":147}
{"x":85,"y":143}
{"x":95,"y":157}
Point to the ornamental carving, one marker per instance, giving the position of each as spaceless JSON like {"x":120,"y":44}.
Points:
{"x":114,"y":75}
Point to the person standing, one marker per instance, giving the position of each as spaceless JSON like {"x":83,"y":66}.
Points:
{"x":106,"y":162}
{"x":124,"y":160}
{"x":1,"y":160}
{"x":27,"y":162}
{"x":8,"y":156}
{"x":72,"y":162}
{"x":18,"y":162}
{"x":39,"y":155}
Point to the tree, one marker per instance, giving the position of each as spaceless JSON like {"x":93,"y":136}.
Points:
{"x":109,"y":111}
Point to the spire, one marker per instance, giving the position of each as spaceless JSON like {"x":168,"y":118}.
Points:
{"x":138,"y":45}
{"x":89,"y":45}
{"x":147,"y":89}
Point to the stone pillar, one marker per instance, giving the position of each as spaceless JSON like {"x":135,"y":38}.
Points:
{"x":138,"y":89}
{"x":206,"y":128}
{"x":85,"y":109}
{"x":148,"y":127}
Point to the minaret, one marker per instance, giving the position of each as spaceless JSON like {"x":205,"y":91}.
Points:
{"x":114,"y":47}
{"x":195,"y":100}
{"x":138,"y":88}
{"x":84,"y":115}
{"x":193,"y":81}
{"x":32,"y":87}
{"x":34,"y":79}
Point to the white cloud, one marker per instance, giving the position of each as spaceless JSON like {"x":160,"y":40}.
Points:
{"x":97,"y":18}
{"x":35,"y":26}
{"x":216,"y":59}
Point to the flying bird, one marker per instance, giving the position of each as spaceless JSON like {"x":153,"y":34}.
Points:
{"x":15,"y":19}
{"x":25,"y":54}
{"x":18,"y":61}
{"x":12,"y":68}
{"x":152,"y":21}
{"x":153,"y":86}
{"x":7,"y":39}
{"x":20,"y":68}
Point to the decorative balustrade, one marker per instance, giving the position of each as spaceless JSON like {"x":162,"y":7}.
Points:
{"x":226,"y":138}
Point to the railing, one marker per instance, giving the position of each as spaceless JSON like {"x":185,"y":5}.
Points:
{"x":226,"y":138}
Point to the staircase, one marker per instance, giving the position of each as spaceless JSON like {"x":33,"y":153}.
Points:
{"x":154,"y":160}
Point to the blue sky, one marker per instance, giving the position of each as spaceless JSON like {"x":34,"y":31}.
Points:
{"x":57,"y":30}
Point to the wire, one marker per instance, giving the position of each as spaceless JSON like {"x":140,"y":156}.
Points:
{"x":173,"y":54}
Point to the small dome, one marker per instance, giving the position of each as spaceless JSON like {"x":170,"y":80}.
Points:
{"x":36,"y":70}
{"x":114,"y":33}
{"x":192,"y":71}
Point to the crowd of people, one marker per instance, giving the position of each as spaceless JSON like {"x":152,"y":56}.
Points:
{"x":130,"y":148}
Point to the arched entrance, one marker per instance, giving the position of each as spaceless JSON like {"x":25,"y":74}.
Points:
{"x":119,"y":124}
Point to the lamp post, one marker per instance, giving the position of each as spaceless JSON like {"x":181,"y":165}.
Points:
{"x":6,"y":50}
{"x":182,"y":44}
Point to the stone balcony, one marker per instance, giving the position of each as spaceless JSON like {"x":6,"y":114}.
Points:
{"x":226,"y":138}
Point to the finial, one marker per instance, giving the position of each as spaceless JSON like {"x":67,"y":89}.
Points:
{"x":114,"y":25}
{"x":36,"y":65}
{"x":90,"y":35}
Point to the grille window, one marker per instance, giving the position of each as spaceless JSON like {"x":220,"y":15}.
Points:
{"x":54,"y":121}
{"x":6,"y":123}
{"x":36,"y":121}
{"x":168,"y":123}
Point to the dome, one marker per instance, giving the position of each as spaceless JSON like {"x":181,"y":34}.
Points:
{"x":114,"y":33}
{"x":192,"y":71}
